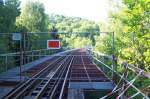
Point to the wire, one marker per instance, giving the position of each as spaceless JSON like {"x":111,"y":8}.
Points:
{"x":114,"y":90}
{"x":123,"y":79}
{"x":130,"y":83}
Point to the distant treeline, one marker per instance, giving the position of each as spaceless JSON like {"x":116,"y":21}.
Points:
{"x":32,"y":18}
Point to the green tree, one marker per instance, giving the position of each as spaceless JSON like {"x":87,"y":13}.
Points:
{"x":78,"y":42}
{"x":131,"y":27}
{"x":8,"y":15}
{"x":33,"y":17}
{"x":74,"y":24}
{"x":138,"y":20}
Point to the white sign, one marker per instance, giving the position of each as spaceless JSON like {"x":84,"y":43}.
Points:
{"x":16,"y":36}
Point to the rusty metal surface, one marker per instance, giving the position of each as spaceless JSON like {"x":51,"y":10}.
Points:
{"x":47,"y":80}
{"x":80,"y":68}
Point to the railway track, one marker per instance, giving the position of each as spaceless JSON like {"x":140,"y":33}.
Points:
{"x":39,"y":85}
{"x":50,"y":80}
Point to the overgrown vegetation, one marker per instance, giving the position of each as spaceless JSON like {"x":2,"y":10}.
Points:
{"x":132,"y":33}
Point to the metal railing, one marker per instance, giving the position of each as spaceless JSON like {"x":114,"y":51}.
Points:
{"x":127,"y":76}
{"x":11,"y":60}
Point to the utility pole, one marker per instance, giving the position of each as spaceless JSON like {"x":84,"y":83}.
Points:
{"x":21,"y":56}
{"x":114,"y":59}
{"x":22,"y":53}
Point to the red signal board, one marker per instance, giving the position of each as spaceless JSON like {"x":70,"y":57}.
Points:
{"x":53,"y":44}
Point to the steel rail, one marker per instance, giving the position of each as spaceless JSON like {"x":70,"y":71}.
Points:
{"x":19,"y":89}
{"x":18,"y":95}
{"x":39,"y":95}
{"x":70,"y":74}
{"x":85,"y":69}
{"x":32,"y":82}
{"x":58,"y":81}
{"x":65,"y":80}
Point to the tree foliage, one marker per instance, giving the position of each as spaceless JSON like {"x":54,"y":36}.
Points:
{"x":72,"y":24}
{"x":88,"y":29}
{"x":8,"y":14}
{"x":132,"y":33}
{"x":33,"y":17}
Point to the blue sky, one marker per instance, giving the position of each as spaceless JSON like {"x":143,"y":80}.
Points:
{"x":96,"y":10}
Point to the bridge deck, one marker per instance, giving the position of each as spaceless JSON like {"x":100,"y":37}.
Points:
{"x":86,"y":75}
{"x":75,"y":72}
